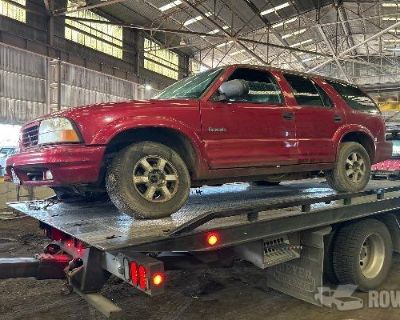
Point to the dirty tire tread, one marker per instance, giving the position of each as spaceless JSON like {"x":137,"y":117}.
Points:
{"x":123,"y":201}
{"x":346,"y":252}
{"x":336,"y":178}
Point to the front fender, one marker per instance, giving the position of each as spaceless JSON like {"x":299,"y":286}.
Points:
{"x":112,"y":129}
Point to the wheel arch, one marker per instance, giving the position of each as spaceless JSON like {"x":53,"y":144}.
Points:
{"x":362,"y":138}
{"x":173,"y":138}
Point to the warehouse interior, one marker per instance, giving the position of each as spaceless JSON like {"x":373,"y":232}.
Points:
{"x":61,"y":54}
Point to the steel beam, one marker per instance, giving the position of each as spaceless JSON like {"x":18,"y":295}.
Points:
{"x":356,"y":46}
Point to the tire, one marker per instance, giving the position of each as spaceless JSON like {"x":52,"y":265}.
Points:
{"x":353,"y":264}
{"x":339,"y":179}
{"x":160,"y":190}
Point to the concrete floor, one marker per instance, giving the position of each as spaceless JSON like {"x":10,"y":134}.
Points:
{"x":238,"y":293}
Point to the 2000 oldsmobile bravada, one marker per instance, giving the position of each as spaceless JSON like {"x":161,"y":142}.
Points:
{"x":236,"y":123}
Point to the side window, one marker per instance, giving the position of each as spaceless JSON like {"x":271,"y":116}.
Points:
{"x":324,"y":96}
{"x":304,"y":91}
{"x":354,"y":97}
{"x":262,"y":86}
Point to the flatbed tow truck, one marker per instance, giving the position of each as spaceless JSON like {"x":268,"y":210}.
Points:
{"x":295,"y":231}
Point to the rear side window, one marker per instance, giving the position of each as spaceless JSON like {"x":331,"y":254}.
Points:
{"x":354,"y":97}
{"x":304,"y":90}
{"x":262,"y":86}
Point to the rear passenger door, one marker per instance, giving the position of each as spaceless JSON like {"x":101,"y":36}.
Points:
{"x":316,"y":119}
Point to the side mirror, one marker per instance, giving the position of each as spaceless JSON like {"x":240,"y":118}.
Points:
{"x":233,"y":89}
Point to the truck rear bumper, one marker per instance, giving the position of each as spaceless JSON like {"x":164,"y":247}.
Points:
{"x":57,"y":165}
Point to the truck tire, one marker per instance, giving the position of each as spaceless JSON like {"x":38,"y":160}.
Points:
{"x":352,"y":169}
{"x":148,"y":180}
{"x":362,"y":254}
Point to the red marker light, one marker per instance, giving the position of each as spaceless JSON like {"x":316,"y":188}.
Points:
{"x":142,"y":278}
{"x":213,"y":238}
{"x":158,"y":279}
{"x":134,"y":273}
{"x":69,"y":243}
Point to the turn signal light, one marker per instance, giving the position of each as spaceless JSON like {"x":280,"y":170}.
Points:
{"x":213,"y":238}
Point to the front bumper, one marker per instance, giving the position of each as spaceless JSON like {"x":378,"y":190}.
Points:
{"x":68,"y":164}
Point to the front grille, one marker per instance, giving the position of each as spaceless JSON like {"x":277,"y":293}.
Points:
{"x":30,"y":136}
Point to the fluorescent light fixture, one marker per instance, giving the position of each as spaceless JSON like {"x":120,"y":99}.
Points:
{"x":294,"y":33}
{"x":301,"y":43}
{"x":213,"y":31}
{"x":237,"y":52}
{"x":225,"y":27}
{"x":170,"y":5}
{"x":248,"y":60}
{"x":391,"y":18}
{"x":391,"y":40}
{"x":392,"y":49}
{"x":274,"y":9}
{"x":224,"y":44}
{"x":309,"y":59}
{"x":390,"y":5}
{"x":195,"y":19}
{"x":280,"y":24}
{"x":192,"y":20}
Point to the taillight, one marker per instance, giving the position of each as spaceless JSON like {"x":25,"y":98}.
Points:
{"x":134,"y":273}
{"x":142,"y":278}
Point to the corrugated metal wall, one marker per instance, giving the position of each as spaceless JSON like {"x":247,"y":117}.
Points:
{"x":32,"y":85}
{"x":23,"y":82}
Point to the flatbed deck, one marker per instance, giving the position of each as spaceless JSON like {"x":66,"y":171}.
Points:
{"x":100,"y":225}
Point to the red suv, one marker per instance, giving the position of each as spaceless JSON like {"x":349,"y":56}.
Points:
{"x":235,"y":123}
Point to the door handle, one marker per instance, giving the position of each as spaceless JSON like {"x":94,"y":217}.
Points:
{"x":288,"y":115}
{"x":337,"y":118}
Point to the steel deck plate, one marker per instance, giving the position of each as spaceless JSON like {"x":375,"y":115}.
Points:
{"x":102,"y":226}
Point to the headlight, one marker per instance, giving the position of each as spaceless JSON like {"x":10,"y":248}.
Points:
{"x":57,"y":130}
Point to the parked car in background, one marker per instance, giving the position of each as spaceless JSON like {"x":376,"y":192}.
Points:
{"x":390,"y":168}
{"x":4,"y":153}
{"x":234,"y":123}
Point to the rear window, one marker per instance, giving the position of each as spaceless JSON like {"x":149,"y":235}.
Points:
{"x":354,"y":97}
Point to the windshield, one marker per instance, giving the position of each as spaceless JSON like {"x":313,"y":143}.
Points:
{"x":396,"y":148}
{"x":191,"y":87}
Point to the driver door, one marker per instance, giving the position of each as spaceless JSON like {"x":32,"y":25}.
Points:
{"x":254,"y":130}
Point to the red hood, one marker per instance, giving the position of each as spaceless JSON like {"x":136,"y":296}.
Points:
{"x":92,"y":118}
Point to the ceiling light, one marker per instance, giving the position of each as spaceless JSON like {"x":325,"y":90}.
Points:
{"x":391,"y":40}
{"x":213,"y":31}
{"x":390,"y":5}
{"x":248,"y":60}
{"x":390,"y":19}
{"x":279,"y":24}
{"x":294,"y":33}
{"x":237,"y":52}
{"x":225,"y":27}
{"x":309,"y":59}
{"x":276,"y":8}
{"x":224,"y":44}
{"x":195,"y":19}
{"x":192,"y":20}
{"x":301,"y":43}
{"x":170,"y":5}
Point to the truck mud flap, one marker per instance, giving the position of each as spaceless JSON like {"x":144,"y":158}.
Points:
{"x":301,"y":278}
